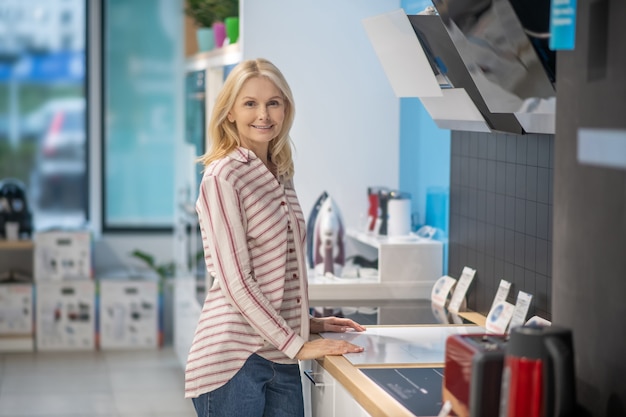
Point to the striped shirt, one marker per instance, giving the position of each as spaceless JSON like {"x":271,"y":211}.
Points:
{"x":253,"y":234}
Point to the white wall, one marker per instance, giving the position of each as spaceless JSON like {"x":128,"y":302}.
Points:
{"x":346,"y":132}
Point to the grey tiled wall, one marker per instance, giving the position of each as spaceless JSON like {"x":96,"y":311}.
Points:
{"x":501,"y":215}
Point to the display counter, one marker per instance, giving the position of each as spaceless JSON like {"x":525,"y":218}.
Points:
{"x":353,"y":384}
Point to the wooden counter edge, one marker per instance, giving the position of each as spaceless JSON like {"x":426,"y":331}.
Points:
{"x":365,"y":391}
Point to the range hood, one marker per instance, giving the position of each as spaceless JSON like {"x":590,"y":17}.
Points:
{"x":410,"y":73}
{"x":504,"y":46}
{"x":451,"y":71}
{"x":487,"y":72}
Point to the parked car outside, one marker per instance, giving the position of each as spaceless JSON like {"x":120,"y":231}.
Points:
{"x":60,"y":174}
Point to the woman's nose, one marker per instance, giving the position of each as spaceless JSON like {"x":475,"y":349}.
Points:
{"x":263,"y":113}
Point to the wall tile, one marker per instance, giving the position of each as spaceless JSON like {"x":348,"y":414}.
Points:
{"x":509,"y":246}
{"x":501,"y":147}
{"x":481,"y":201}
{"x":529,"y":252}
{"x":490,"y":208}
{"x":491,"y":146}
{"x":501,"y":177}
{"x":500,"y":242}
{"x":520,"y":247}
{"x":520,"y":152}
{"x":473,"y":173}
{"x":511,"y":148}
{"x":520,"y":215}
{"x":531,"y":150}
{"x":531,"y":218}
{"x":509,"y":219}
{"x":543,"y":185}
{"x":511,"y":171}
{"x":543,"y":151}
{"x":531,"y":183}
{"x":520,"y":181}
{"x":455,"y":170}
{"x":541,"y":256}
{"x":472,"y":204}
{"x":500,"y":221}
{"x":500,"y":210}
{"x":482,"y":174}
{"x":473,"y":145}
{"x":543,"y":221}
{"x":465,"y":144}
{"x":491,"y":176}
{"x":490,"y":239}
{"x":483,"y":144}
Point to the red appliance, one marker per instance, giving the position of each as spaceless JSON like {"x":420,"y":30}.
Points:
{"x":538,"y":378}
{"x":373,"y":211}
{"x":473,"y":373}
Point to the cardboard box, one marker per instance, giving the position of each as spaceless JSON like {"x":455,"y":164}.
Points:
{"x":16,"y":309}
{"x":63,"y":255}
{"x":65,"y":315}
{"x":129,"y":314}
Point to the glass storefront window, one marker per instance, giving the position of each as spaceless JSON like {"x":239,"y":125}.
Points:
{"x":142,"y":96}
{"x":42,"y":107}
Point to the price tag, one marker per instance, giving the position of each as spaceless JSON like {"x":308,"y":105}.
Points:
{"x":440,"y":313}
{"x":441,"y":290}
{"x":538,"y":321}
{"x":461,"y":289}
{"x":499,"y":317}
{"x":503,"y":292}
{"x":521,"y":309}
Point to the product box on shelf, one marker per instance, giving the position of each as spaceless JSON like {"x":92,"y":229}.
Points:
{"x":62,"y":255}
{"x":128,"y":314}
{"x":16,"y":309}
{"x":65,"y":315}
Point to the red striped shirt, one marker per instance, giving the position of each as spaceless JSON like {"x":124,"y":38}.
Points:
{"x":253,"y":233}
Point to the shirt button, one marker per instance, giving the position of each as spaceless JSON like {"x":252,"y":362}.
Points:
{"x":295,"y":275}
{"x":298,"y":300}
{"x":282,"y":203}
{"x":292,"y":250}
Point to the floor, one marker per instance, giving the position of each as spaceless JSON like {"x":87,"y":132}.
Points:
{"x":146,"y":383}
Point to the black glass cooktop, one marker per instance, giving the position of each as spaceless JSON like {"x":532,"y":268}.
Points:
{"x":417,"y":389}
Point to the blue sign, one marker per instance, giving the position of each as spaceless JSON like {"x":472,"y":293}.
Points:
{"x":57,"y":67}
{"x":562,"y":25}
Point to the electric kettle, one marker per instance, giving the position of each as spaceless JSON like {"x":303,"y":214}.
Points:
{"x":538,"y":379}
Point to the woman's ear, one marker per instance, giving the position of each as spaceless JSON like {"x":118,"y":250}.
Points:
{"x":230,"y":118}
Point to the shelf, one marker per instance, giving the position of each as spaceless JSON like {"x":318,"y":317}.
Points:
{"x":376,"y":241}
{"x":219,"y":57}
{"x":16,"y":244}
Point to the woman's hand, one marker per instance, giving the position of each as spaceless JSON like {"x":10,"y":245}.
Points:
{"x":322,"y":347}
{"x":334,"y":324}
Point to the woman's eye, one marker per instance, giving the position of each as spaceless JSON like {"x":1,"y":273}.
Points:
{"x":249,"y":103}
{"x":273,"y":103}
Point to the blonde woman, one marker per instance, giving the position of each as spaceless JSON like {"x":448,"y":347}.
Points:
{"x":255,"y":322}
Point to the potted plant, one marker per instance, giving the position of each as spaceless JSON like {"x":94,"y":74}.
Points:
{"x":209,"y":16}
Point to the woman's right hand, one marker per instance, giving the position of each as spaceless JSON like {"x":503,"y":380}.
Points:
{"x":322,"y":347}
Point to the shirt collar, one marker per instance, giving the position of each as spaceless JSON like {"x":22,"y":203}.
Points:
{"x":242,"y":154}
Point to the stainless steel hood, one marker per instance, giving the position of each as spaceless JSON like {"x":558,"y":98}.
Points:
{"x":508,"y":61}
{"x":451,"y":72}
{"x":487,"y":70}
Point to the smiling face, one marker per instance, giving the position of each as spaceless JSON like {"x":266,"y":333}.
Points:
{"x":258,"y":114}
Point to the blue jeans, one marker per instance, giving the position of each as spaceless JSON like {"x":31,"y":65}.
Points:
{"x":260,"y":388}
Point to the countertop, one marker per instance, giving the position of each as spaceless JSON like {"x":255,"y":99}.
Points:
{"x":365,"y":391}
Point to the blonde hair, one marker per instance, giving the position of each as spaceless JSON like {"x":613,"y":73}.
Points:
{"x":223,"y":136}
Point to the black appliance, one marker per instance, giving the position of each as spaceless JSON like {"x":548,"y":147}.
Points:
{"x":14,"y":207}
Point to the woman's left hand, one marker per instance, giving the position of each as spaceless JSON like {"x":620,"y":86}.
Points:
{"x":334,"y":324}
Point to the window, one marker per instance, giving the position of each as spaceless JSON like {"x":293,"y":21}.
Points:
{"x":143,"y":89}
{"x":42,"y":109}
